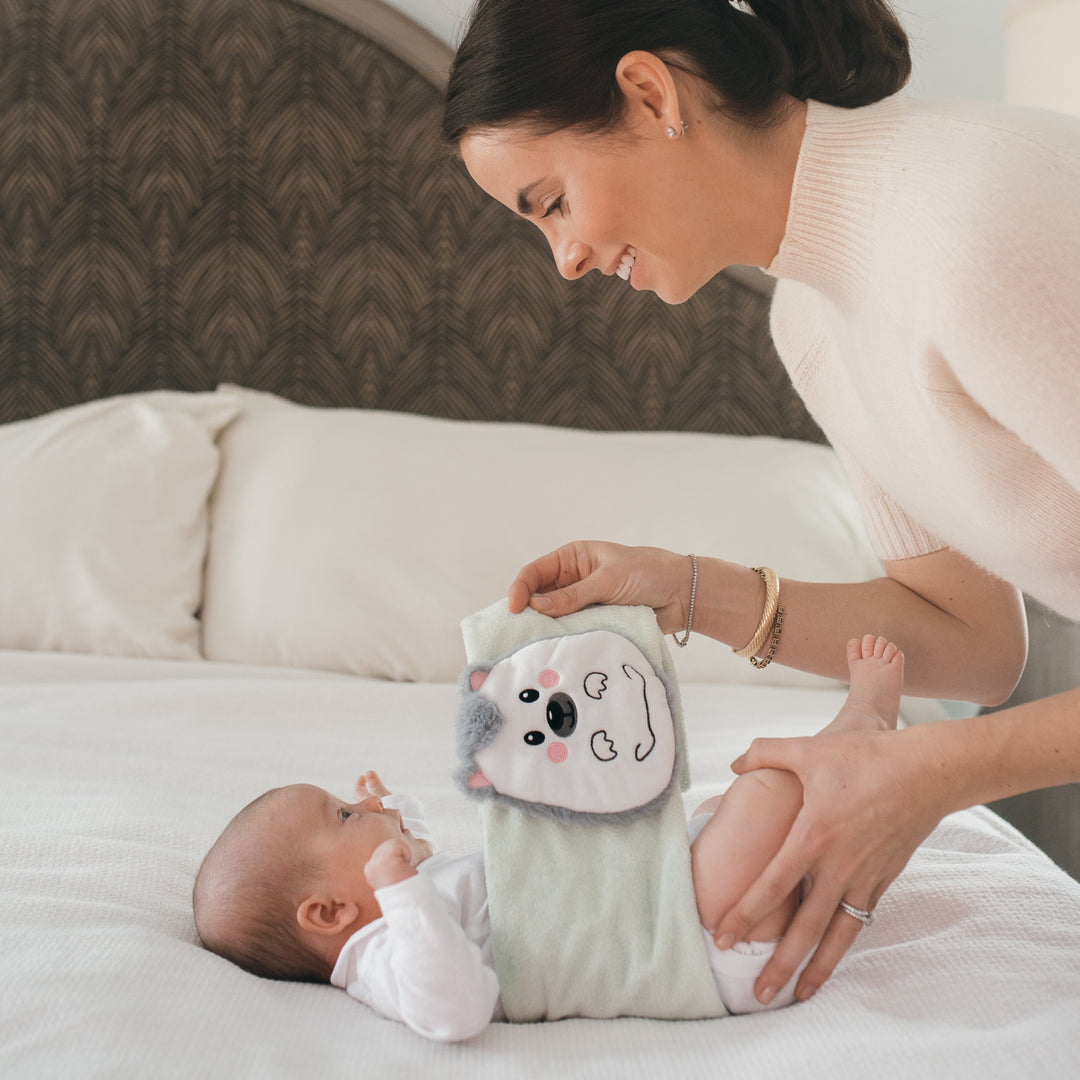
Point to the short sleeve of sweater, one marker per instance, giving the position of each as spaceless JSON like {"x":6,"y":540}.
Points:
{"x":892,"y":533}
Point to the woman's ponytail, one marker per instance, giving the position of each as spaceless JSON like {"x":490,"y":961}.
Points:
{"x":849,"y":53}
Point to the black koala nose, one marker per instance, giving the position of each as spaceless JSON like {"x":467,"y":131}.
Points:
{"x":562,"y":714}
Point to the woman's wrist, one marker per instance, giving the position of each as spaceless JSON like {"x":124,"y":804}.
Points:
{"x":729,"y":601}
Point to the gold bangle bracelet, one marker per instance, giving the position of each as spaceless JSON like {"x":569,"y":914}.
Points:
{"x":777,"y":630}
{"x":768,"y":613}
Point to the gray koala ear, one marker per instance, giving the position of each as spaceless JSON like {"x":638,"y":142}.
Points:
{"x":479,"y":720}
{"x":473,"y":677}
{"x":478,"y":716}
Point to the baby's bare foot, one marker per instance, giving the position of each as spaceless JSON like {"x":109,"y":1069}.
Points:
{"x":876,"y":666}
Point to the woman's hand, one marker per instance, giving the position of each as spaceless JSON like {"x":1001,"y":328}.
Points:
{"x":869,"y":800}
{"x":594,"y":572}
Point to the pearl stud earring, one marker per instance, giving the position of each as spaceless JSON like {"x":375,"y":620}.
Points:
{"x":673,"y":134}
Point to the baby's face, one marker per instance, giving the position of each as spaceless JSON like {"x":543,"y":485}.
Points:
{"x":342,"y":836}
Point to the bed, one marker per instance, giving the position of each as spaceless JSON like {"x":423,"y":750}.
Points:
{"x":284,"y":400}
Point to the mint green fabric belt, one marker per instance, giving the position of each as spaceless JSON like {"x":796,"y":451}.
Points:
{"x":592,"y":912}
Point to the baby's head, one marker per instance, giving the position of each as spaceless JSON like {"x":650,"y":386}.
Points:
{"x":283,"y":887}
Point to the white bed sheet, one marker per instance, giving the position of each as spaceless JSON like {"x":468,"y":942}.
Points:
{"x":116,"y":775}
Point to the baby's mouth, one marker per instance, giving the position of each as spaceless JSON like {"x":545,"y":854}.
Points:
{"x":626,"y":263}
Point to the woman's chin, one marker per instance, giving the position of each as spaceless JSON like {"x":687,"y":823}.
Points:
{"x":673,"y":297}
{"x":678,"y":292}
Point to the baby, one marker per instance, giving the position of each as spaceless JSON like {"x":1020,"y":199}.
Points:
{"x":302,"y":885}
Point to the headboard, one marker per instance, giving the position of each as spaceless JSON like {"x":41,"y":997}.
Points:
{"x":253,"y":191}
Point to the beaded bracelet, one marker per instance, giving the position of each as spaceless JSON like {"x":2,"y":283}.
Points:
{"x":777,"y":630}
{"x":681,"y":642}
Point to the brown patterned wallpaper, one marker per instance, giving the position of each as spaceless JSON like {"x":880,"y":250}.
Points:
{"x":198,"y":191}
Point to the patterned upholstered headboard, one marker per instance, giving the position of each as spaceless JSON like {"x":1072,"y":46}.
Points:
{"x":253,"y":191}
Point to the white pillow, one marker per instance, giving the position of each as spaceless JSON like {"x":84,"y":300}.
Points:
{"x":105,"y":524}
{"x":358,"y":540}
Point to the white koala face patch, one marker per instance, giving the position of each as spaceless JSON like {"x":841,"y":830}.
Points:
{"x":583,"y":723}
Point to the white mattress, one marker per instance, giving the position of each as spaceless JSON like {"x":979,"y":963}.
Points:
{"x":116,"y":775}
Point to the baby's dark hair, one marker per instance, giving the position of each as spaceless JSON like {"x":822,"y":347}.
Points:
{"x":246,"y":913}
{"x":551,"y":64}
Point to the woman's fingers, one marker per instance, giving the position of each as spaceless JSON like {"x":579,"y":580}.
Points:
{"x":777,"y":881}
{"x":840,"y":936}
{"x":536,"y":576}
{"x":555,"y":578}
{"x":816,"y":921}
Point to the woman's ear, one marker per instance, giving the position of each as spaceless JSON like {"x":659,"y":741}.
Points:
{"x":649,"y":88}
{"x":324,"y":916}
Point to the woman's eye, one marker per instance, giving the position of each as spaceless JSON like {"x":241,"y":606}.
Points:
{"x":556,"y":205}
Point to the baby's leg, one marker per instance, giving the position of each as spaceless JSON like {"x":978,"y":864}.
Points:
{"x":752,"y":820}
{"x":737,"y":843}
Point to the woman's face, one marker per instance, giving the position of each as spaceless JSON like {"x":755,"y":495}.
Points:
{"x":637,"y":200}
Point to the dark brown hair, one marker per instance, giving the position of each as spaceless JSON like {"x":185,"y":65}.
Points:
{"x":246,"y":913}
{"x":551,"y":63}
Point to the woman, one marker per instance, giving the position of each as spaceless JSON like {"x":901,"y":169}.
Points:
{"x":928,"y":255}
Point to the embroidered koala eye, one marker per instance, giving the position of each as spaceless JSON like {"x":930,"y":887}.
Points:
{"x":529,"y":696}
{"x":534,"y":738}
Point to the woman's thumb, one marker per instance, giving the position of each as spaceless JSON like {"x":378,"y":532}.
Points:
{"x":762,"y":754}
{"x":561,"y":601}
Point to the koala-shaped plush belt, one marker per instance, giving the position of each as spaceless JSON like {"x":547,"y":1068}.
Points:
{"x":570,"y":735}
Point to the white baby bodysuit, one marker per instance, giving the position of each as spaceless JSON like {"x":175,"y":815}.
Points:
{"x":427,"y":962}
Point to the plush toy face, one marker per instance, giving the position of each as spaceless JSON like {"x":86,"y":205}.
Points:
{"x":581,"y":722}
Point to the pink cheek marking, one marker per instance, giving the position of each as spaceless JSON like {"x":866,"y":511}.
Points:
{"x":547,"y":679}
{"x":557,"y":752}
{"x":478,"y":780}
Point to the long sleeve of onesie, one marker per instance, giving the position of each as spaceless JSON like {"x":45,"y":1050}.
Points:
{"x":420,"y":964}
{"x":422,"y":969}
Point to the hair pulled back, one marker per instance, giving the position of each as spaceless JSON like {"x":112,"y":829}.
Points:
{"x":551,"y":63}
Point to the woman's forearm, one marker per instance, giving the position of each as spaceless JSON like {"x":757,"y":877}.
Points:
{"x":989,"y":757}
{"x":963,"y":634}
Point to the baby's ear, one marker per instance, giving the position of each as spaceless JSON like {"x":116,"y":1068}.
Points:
{"x":322,"y":916}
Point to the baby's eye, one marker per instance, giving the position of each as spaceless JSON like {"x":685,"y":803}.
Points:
{"x":345,"y":815}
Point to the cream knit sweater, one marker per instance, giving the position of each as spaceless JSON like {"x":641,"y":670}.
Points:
{"x":929,"y":315}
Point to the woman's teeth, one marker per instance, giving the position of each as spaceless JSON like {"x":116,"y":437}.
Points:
{"x":626,"y":263}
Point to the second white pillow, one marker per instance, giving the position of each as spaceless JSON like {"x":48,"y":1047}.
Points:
{"x":357,"y":541}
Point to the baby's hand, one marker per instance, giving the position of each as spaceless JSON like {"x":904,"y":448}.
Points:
{"x":370,"y":784}
{"x":389,"y":864}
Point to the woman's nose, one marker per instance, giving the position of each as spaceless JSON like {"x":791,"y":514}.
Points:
{"x":571,"y":257}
